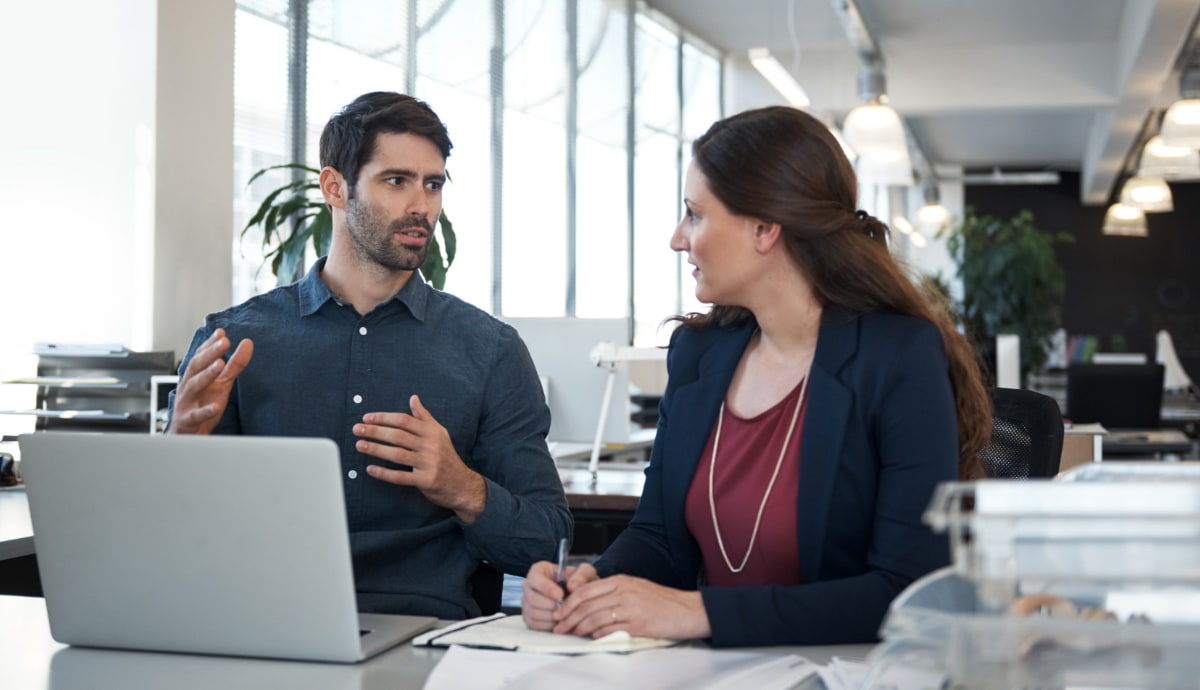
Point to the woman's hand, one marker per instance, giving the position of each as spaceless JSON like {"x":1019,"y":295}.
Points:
{"x":635,"y":605}
{"x":541,"y":597}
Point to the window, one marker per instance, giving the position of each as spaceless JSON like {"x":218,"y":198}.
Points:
{"x":554,"y":178}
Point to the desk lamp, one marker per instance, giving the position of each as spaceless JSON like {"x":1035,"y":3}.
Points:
{"x":610,"y":355}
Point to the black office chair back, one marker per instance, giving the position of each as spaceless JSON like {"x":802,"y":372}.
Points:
{"x":1027,"y":435}
{"x":487,"y":588}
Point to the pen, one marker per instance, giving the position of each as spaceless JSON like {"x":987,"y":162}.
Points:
{"x":562,"y":567}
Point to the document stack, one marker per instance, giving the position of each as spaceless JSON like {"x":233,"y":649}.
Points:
{"x":1088,"y":580}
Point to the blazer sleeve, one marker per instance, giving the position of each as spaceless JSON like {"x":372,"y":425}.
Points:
{"x":901,"y":442}
{"x":643,"y":548}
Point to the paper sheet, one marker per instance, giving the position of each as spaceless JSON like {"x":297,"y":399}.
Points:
{"x":499,"y":631}
{"x":483,"y":669}
{"x":655,"y":669}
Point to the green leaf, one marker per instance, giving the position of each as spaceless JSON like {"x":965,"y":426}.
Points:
{"x":433,"y":270}
{"x":449,"y":236}
{"x":322,"y":231}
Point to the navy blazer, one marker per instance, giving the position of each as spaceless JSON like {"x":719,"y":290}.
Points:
{"x":879,"y":434}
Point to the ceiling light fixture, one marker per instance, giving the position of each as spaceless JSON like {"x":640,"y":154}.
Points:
{"x":1171,"y":162}
{"x":778,"y":77}
{"x":901,"y":225}
{"x":1151,"y":194}
{"x":1122,"y":219}
{"x":875,"y":126}
{"x":1181,"y":123}
{"x":932,"y":218}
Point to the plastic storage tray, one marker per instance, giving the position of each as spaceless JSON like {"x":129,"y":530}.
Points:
{"x":941,"y":624}
{"x":1122,"y":537}
{"x":1094,"y":535}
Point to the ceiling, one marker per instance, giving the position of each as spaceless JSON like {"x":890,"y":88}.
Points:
{"x":1014,"y":85}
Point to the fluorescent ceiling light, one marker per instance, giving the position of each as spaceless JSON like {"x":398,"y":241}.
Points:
{"x":918,"y":240}
{"x":901,"y":225}
{"x":780,"y":78}
{"x":1151,"y":194}
{"x":1121,"y":219}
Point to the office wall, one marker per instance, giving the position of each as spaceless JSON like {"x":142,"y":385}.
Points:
{"x":116,"y":133}
{"x":1120,"y":289}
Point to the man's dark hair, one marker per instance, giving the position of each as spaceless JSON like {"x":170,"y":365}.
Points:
{"x":348,"y":140}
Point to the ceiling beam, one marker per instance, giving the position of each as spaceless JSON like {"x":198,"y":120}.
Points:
{"x":1143,"y":66}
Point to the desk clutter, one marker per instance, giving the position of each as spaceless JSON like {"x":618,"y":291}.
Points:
{"x":92,"y":387}
{"x":1090,"y":579}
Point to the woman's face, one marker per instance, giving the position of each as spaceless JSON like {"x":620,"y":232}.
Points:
{"x":718,"y":243}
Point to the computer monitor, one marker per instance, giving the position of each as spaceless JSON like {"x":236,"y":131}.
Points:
{"x":560,"y":348}
{"x":1119,"y":396}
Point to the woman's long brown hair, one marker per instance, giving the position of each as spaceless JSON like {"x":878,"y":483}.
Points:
{"x":784,"y":166}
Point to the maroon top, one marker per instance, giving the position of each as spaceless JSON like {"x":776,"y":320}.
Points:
{"x":748,"y":453}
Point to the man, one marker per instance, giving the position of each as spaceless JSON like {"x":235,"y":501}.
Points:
{"x":435,"y":405}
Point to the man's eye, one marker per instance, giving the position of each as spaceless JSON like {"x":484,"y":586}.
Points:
{"x":395,"y":181}
{"x":435,"y":185}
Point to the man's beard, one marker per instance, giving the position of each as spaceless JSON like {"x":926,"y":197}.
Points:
{"x":375,"y":238}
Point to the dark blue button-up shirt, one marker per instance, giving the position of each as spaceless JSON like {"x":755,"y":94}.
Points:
{"x":318,"y":366}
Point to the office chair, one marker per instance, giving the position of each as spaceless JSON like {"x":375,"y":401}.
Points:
{"x":1027,"y":435}
{"x":487,"y":588}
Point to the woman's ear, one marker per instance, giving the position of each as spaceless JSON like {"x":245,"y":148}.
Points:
{"x":766,"y":235}
{"x":333,"y":187}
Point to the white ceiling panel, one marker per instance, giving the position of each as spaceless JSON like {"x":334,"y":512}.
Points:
{"x":1029,"y":84}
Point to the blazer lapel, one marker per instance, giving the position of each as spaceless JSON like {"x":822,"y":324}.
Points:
{"x":693,"y":413}
{"x":825,"y":423}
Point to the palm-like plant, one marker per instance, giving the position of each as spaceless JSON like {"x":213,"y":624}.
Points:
{"x":295,"y":216}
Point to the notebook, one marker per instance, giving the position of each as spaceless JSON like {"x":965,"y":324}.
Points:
{"x":230,"y":545}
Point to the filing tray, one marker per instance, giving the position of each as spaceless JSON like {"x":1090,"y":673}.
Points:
{"x":1120,"y":538}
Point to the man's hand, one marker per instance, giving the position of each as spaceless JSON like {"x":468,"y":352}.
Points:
{"x":419,"y":442}
{"x":203,"y":392}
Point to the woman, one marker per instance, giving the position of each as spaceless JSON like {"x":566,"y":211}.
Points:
{"x":807,"y":417}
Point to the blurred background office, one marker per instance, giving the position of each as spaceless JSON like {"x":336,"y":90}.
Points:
{"x":131,"y":127}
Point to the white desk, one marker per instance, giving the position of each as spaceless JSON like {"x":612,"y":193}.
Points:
{"x":31,"y":660}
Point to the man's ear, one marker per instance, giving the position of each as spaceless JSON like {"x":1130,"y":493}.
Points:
{"x":333,"y":187}
{"x":766,"y":235}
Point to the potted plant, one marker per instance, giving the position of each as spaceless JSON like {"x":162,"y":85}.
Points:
{"x":1011,"y":281}
{"x":295,"y":216}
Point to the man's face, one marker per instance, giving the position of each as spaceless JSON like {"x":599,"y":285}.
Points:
{"x":396,"y":201}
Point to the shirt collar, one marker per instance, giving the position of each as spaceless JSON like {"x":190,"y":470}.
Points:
{"x":313,"y":292}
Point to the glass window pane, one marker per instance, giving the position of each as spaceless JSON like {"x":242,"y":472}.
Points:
{"x":260,"y":136}
{"x":656,"y":172}
{"x":602,"y":218}
{"x":454,"y":78}
{"x":534,"y":252}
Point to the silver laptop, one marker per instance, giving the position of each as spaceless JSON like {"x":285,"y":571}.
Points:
{"x":232,"y":545}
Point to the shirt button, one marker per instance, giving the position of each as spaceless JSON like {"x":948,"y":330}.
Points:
{"x":362,"y":330}
{"x":353,"y":474}
{"x":357,"y":399}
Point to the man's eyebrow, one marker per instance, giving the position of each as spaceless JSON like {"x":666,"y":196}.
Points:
{"x":411,"y":174}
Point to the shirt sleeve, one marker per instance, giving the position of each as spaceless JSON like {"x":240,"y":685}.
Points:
{"x":526,"y":512}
